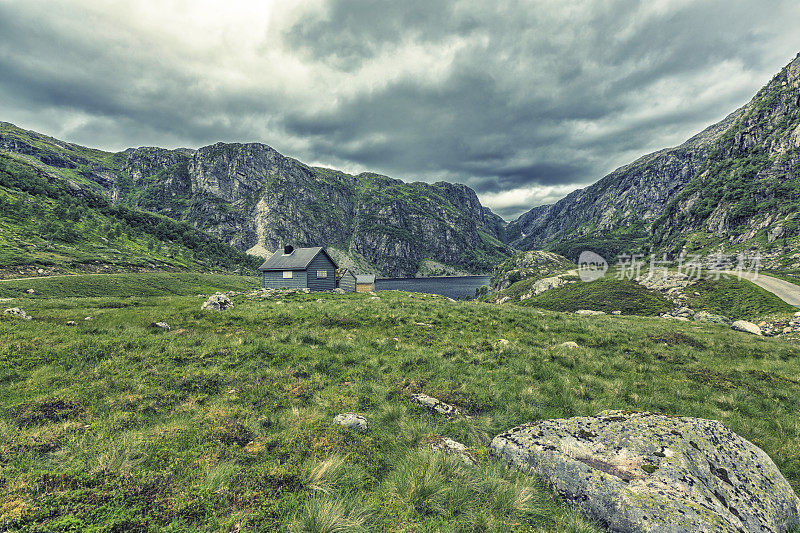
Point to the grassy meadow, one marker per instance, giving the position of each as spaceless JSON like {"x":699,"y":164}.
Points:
{"x":224,"y":423}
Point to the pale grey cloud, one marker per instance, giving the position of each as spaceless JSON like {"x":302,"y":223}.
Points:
{"x":523,"y":101}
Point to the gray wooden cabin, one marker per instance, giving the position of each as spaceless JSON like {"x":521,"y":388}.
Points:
{"x":299,"y":268}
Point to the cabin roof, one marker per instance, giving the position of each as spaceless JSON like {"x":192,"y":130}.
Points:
{"x":365,"y":278}
{"x":299,"y":259}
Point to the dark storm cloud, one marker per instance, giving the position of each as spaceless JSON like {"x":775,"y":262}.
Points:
{"x":523,"y":101}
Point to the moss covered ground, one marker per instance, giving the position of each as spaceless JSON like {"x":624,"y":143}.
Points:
{"x":224,"y":423}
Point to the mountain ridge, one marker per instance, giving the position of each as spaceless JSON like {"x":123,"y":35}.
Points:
{"x":255,"y":199}
{"x":638,"y":204}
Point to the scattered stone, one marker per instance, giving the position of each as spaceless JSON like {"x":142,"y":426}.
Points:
{"x":352,"y":420}
{"x":570,"y":344}
{"x":705,"y":316}
{"x":435,"y":405}
{"x":40,"y":271}
{"x":88,"y":318}
{"x":447,"y":445}
{"x":338,"y":291}
{"x":504,"y":299}
{"x":423,"y":324}
{"x":305,"y":290}
{"x":589,"y":312}
{"x":747,"y":327}
{"x":217,"y":302}
{"x":374,"y":297}
{"x":16,"y":312}
{"x":616,"y":312}
{"x":162,"y":325}
{"x":649,"y":472}
{"x":31,"y":291}
{"x":797,"y":314}
{"x":544,"y":285}
{"x":450,"y":299}
{"x":502,"y":342}
{"x":71,"y":323}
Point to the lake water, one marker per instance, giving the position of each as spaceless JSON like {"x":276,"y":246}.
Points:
{"x":462,"y":287}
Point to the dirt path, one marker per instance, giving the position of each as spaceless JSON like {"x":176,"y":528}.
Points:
{"x":786,"y":291}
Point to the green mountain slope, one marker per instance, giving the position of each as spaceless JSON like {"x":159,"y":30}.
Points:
{"x":60,"y":224}
{"x":732,"y":188}
{"x":255,"y":199}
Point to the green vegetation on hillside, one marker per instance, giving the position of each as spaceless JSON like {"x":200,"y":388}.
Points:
{"x":736,"y":299}
{"x":605,"y":294}
{"x":225,"y":422}
{"x":44,"y":221}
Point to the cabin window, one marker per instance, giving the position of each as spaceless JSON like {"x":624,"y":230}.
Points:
{"x":322,"y":273}
{"x":287,"y":274}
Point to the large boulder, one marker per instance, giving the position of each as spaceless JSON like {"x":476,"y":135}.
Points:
{"x":217,"y":302}
{"x":352,"y":420}
{"x":16,"y":312}
{"x":747,"y":327}
{"x":649,"y":472}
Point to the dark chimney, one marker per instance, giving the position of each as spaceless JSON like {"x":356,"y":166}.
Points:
{"x":288,"y":249}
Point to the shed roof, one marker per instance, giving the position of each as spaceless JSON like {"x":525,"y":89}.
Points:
{"x":299,"y":259}
{"x":365,"y":278}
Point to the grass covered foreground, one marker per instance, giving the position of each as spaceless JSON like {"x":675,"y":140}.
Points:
{"x":225,"y":422}
{"x":123,"y":285}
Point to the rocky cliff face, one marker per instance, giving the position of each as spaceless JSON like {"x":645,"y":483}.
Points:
{"x":732,"y":186}
{"x":254,"y":198}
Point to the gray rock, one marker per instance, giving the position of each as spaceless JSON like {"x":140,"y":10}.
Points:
{"x":16,"y":312}
{"x":162,"y":325}
{"x":338,"y":291}
{"x":648,"y":472}
{"x":88,"y":318}
{"x":570,"y":344}
{"x":504,"y":299}
{"x":31,"y":291}
{"x":616,"y":313}
{"x":797,"y":314}
{"x":705,"y":316}
{"x":71,"y":323}
{"x":544,"y":285}
{"x":217,"y":302}
{"x":352,"y":420}
{"x":447,"y":445}
{"x":589,"y":312}
{"x":747,"y":327}
{"x":435,"y":405}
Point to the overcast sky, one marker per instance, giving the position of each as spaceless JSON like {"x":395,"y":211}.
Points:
{"x":523,"y":101}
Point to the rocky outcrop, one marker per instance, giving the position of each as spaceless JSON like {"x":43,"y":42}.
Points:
{"x":532,"y":264}
{"x":217,"y":302}
{"x":435,"y":405}
{"x":728,"y":186}
{"x":438,"y":443}
{"x":16,"y":312}
{"x":637,"y":472}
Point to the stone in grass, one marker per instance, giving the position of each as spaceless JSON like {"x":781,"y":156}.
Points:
{"x":705,"y":316}
{"x":447,"y":445}
{"x":651,"y":472}
{"x":71,"y":323}
{"x":616,"y":313}
{"x":352,"y":420}
{"x":747,"y":327}
{"x":16,"y":312}
{"x":589,"y":312}
{"x":797,"y":314}
{"x":162,"y":325}
{"x":570,"y":344}
{"x":217,"y":302}
{"x":437,"y":406}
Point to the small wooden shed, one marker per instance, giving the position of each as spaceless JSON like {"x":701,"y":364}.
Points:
{"x":300,"y":268}
{"x":347,"y":281}
{"x":365,"y":282}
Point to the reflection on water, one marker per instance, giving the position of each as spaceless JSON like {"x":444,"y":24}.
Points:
{"x":462,"y":287}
